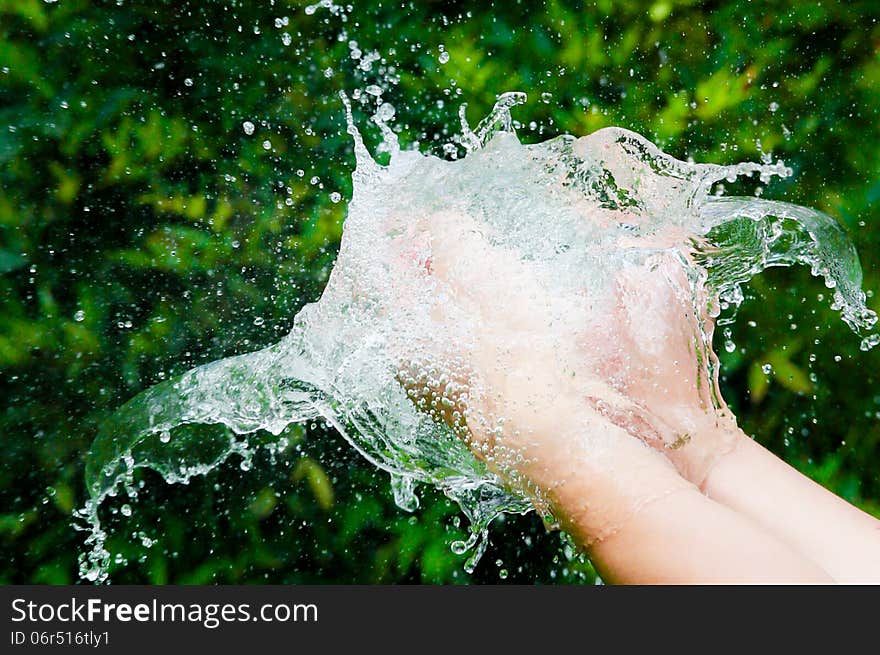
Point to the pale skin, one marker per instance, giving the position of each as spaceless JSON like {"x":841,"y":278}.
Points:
{"x":610,"y":425}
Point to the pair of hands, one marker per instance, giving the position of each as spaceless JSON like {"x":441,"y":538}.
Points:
{"x":594,"y":401}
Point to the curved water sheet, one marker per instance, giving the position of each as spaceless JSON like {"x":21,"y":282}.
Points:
{"x":576,"y":209}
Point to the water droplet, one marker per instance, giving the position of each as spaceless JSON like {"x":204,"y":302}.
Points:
{"x":385,"y":112}
{"x":79,"y":316}
{"x":267,"y":145}
{"x":335,"y":197}
{"x":870,"y":341}
{"x":188,"y":81}
{"x":444,"y":57}
{"x":126,"y":510}
{"x":248,"y":127}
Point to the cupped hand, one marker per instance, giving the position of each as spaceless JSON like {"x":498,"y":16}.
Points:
{"x":530,"y":377}
{"x":656,"y":354}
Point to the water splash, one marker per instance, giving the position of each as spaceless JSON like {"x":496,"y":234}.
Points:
{"x":576,"y":210}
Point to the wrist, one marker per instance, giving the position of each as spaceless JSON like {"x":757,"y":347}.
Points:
{"x":726,"y":443}
{"x":698,"y":442}
{"x":608,"y":479}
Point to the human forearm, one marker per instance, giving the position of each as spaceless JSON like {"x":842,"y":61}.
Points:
{"x":642,"y":523}
{"x":840,"y":538}
{"x":687,"y":538}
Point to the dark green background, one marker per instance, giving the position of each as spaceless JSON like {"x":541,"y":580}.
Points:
{"x":137,"y":199}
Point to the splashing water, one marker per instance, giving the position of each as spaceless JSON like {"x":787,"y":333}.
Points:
{"x":576,"y":210}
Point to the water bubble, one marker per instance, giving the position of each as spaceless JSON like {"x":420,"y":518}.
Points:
{"x":248,"y":127}
{"x":443,"y":57}
{"x":126,"y":510}
{"x":286,"y":39}
{"x":188,"y":81}
{"x":267,"y":145}
{"x":774,"y":107}
{"x":79,"y":316}
{"x":335,"y":197}
{"x":165,"y":436}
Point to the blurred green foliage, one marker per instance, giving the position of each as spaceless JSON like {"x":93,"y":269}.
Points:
{"x":143,"y":231}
